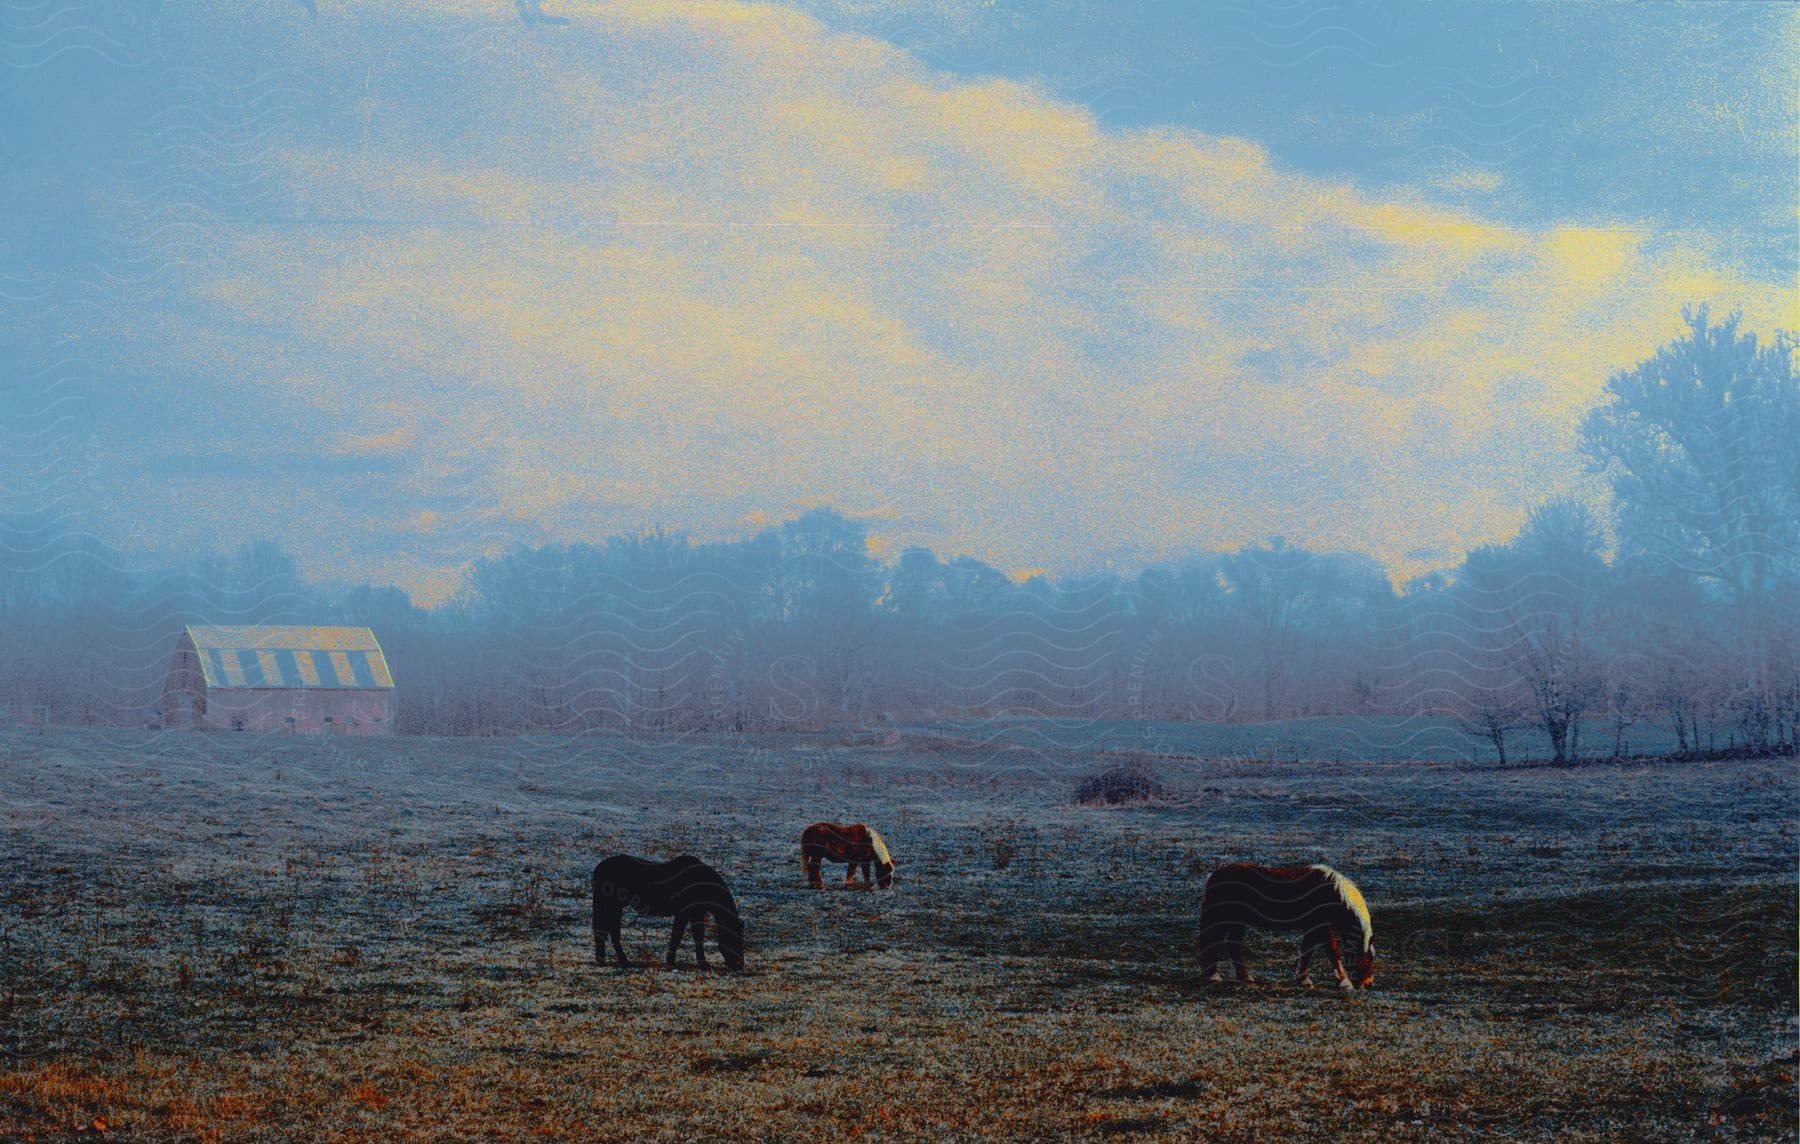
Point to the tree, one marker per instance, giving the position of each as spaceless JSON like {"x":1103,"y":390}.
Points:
{"x":1488,"y":697}
{"x":1701,"y":445}
{"x":1534,"y":604}
{"x":265,"y":584}
{"x":1284,"y":592}
{"x":826,"y":584}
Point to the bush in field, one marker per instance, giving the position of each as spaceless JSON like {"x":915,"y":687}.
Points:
{"x":1127,"y":782}
{"x":1004,"y":849}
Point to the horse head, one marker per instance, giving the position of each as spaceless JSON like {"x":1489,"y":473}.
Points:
{"x":884,"y":861}
{"x":731,"y":938}
{"x":1356,"y":931}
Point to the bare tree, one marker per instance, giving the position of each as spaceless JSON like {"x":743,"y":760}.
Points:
{"x":1536,"y":601}
{"x":1270,"y":590}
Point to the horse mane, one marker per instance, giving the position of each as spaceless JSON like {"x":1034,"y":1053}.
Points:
{"x":881,"y":851}
{"x":1353,"y":900}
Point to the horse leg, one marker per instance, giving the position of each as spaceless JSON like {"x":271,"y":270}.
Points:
{"x":1236,"y":941}
{"x":616,"y":922}
{"x":1212,"y":944}
{"x":700,"y":941}
{"x":1337,"y":962}
{"x":814,"y":876}
{"x":606,"y":921}
{"x":675,"y":932}
{"x":850,"y":873}
{"x":1215,"y":948}
{"x":1313,"y":940}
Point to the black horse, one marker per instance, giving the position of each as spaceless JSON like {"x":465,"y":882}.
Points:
{"x":683,"y":888}
{"x":1323,"y":905}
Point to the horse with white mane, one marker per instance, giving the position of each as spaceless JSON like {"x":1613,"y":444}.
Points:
{"x":1323,"y":905}
{"x":855,"y":844}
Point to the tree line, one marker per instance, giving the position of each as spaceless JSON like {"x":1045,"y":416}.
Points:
{"x":1678,"y":614}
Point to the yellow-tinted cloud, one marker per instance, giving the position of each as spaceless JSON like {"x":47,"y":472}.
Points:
{"x":742,"y":265}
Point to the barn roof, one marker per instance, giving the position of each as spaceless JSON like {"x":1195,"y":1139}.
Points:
{"x":258,"y":656}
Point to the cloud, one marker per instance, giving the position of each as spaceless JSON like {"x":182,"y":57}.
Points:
{"x":691,"y":263}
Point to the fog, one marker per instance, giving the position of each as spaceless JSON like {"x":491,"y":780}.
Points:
{"x":1677,"y":608}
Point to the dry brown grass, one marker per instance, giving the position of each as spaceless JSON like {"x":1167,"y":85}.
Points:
{"x":229,"y":939}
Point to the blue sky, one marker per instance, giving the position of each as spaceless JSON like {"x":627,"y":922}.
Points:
{"x":1671,"y":115}
{"x":1053,"y":285}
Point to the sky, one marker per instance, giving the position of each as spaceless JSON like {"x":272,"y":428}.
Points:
{"x":1059,"y":285}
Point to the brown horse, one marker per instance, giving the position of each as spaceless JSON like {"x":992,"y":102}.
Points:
{"x":683,"y":888}
{"x":856,"y":844}
{"x":1321,"y":903}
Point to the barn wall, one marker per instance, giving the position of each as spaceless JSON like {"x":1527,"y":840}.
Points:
{"x":350,"y":711}
{"x":184,"y":688}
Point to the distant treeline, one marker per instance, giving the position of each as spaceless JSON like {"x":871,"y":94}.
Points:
{"x":1682,"y":611}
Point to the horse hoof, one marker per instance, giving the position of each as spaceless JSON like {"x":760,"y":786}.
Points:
{"x":1212,"y":979}
{"x":1306,"y":982}
{"x":1346,"y":986}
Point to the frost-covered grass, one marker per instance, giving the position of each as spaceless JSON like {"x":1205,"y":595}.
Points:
{"x":1337,"y":738}
{"x":233,"y":938}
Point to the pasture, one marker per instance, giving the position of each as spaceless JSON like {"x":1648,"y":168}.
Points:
{"x":232,"y":938}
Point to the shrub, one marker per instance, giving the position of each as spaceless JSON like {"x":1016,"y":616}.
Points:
{"x":1127,"y":782}
{"x":1004,"y":849}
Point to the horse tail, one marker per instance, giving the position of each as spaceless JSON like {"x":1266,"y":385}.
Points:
{"x":1225,"y":900}
{"x":607,"y":912}
{"x":1209,"y":900}
{"x":1214,"y":889}
{"x":1216,"y":919}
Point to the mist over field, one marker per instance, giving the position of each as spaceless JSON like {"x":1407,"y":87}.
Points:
{"x":1273,"y":527}
{"x":1665,"y":625}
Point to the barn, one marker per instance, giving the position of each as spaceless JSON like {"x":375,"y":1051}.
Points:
{"x":312,"y":680}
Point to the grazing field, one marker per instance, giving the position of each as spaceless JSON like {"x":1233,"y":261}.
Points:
{"x":224,"y":937}
{"x":1336,"y":738}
